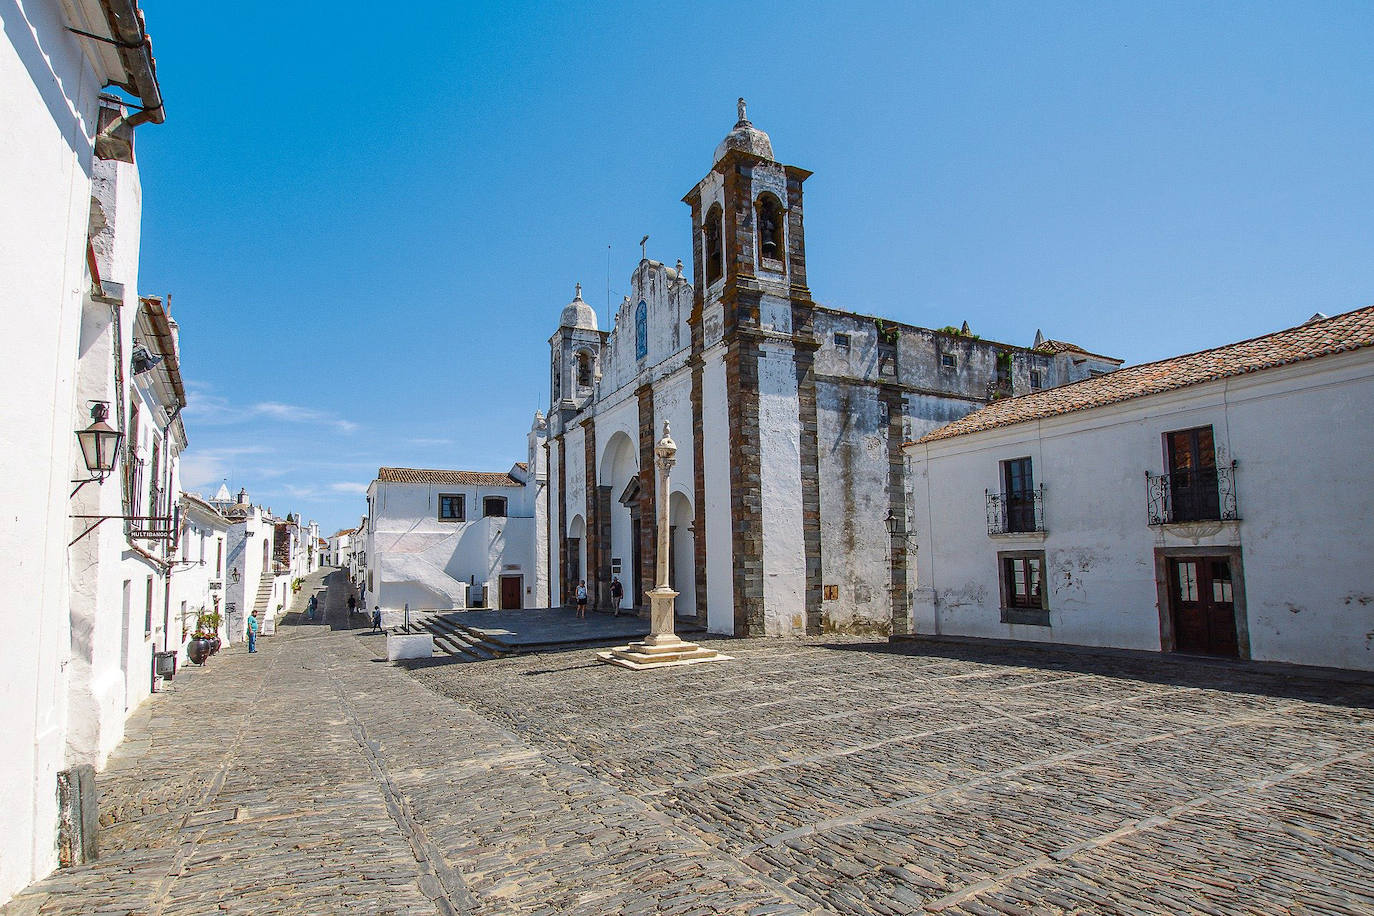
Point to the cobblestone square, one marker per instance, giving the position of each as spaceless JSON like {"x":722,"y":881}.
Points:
{"x":806,"y":776}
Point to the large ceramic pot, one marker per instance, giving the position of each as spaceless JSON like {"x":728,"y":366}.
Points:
{"x":198,"y":650}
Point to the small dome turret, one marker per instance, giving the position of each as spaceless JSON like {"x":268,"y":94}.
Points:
{"x":745,"y":137}
{"x":578,"y":314}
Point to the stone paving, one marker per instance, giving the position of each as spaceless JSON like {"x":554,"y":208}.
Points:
{"x":805,"y":777}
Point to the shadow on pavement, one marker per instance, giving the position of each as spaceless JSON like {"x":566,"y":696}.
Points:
{"x":1320,"y":685}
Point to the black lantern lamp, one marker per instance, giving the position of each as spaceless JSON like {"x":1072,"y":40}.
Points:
{"x":99,"y":442}
{"x":895,"y":526}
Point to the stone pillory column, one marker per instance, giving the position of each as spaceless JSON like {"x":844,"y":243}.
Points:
{"x":661,"y":647}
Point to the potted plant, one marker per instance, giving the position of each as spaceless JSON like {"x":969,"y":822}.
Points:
{"x":206,"y":641}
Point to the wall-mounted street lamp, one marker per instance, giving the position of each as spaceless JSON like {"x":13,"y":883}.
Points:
{"x":99,"y":444}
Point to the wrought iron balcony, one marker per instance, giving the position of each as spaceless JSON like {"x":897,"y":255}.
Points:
{"x":1016,"y":513}
{"x":1200,"y":495}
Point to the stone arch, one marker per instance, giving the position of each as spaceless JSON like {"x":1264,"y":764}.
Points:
{"x":585,"y":369}
{"x":682,"y":547}
{"x":770,"y":215}
{"x":619,"y":472}
{"x":577,"y":552}
{"x":713,"y":243}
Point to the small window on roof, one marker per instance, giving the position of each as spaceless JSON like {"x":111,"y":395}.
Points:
{"x":494,"y":506}
{"x":842,"y":341}
{"x":949,"y":361}
{"x":1037,"y":378}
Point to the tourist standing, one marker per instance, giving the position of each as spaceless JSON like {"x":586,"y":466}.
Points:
{"x":253,"y":632}
{"x":581,"y":598}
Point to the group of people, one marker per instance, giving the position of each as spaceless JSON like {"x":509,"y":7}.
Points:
{"x":311,"y":609}
{"x":617,"y":594}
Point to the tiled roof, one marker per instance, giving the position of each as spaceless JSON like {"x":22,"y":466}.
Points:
{"x":459,"y":478}
{"x":1350,"y":331}
{"x":340,"y":533}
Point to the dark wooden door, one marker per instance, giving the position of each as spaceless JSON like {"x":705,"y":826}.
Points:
{"x":1019,"y":487}
{"x":1203,"y":607}
{"x":638,"y":574}
{"x":512,"y":592}
{"x":1193,"y":475}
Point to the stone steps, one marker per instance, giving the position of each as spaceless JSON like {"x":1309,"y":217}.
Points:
{"x":458,"y":641}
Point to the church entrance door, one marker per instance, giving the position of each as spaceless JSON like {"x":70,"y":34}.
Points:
{"x":637,"y":574}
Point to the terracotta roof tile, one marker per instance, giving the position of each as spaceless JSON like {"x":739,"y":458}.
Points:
{"x":458,"y":478}
{"x":1350,"y":331}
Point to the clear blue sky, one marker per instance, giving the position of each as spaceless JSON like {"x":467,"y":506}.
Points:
{"x":370,"y":216}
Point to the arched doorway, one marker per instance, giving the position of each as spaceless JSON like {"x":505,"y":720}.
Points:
{"x":682,"y":569}
{"x":575,"y":558}
{"x":620,"y":476}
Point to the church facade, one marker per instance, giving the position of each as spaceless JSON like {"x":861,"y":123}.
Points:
{"x":789,"y":502}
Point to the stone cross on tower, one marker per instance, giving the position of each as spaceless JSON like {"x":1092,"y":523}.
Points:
{"x":579,"y":291}
{"x":644,"y":248}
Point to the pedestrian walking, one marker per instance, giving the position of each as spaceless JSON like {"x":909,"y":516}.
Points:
{"x":310,"y":608}
{"x":617,"y":593}
{"x":581,"y":598}
{"x":352,"y":605}
{"x":377,"y":618}
{"x":253,"y":632}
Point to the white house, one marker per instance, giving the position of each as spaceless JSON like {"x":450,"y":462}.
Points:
{"x":55,"y":134}
{"x":440,"y":539}
{"x":1216,"y":503}
{"x":339,"y":547}
{"x":198,"y":579}
{"x":125,"y":530}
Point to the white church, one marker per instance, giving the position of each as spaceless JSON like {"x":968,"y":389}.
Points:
{"x":789,"y":503}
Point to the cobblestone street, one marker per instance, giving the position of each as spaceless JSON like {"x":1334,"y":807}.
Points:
{"x":802,"y":777}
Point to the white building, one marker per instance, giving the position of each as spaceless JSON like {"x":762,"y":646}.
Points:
{"x":55,"y":134}
{"x":198,"y":579}
{"x":789,"y":418}
{"x":124,"y":539}
{"x":1215,"y":503}
{"x":439,"y":539}
{"x":339,"y":547}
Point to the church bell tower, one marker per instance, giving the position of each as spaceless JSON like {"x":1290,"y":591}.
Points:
{"x":753,"y":351}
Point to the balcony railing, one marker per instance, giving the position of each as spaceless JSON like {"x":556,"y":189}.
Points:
{"x":1016,"y":513}
{"x":1200,"y":495}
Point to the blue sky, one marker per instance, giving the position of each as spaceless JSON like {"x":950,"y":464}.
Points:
{"x":369,"y":218}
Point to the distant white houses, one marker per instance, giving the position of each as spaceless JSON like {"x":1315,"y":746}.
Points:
{"x":265,"y":556}
{"x":442,"y":539}
{"x":339,"y":547}
{"x":198,"y":582}
{"x":1215,"y":503}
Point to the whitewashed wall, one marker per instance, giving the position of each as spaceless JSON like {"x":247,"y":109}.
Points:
{"x":1308,"y":582}
{"x":49,"y":109}
{"x":429,"y":564}
{"x":715,"y":421}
